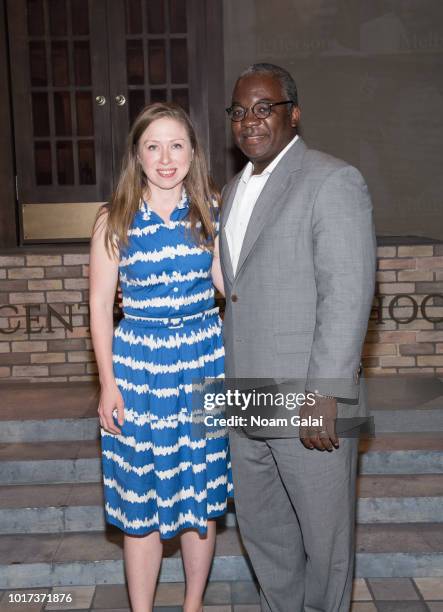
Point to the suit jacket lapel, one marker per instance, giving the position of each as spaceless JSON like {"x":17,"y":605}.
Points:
{"x":270,"y":198}
{"x":228,"y":199}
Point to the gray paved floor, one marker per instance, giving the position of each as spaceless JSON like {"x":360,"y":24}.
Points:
{"x":369,"y":595}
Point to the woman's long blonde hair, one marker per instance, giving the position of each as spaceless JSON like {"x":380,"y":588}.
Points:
{"x":133,"y":183}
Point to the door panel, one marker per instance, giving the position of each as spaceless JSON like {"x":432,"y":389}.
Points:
{"x":149,"y":59}
{"x":81,"y":72}
{"x":62,"y":135}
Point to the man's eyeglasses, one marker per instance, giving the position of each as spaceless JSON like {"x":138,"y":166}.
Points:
{"x":261,"y":110}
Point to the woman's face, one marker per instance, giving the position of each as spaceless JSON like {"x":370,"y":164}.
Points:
{"x":165,"y":153}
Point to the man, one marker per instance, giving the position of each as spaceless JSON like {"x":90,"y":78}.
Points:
{"x":298,"y":256}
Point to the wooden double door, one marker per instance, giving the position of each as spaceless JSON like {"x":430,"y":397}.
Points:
{"x":81,"y":70}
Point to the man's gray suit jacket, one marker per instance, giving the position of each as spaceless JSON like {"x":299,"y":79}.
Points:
{"x":299,"y":303}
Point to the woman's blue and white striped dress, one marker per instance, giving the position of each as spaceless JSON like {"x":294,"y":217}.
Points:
{"x":157,"y":474}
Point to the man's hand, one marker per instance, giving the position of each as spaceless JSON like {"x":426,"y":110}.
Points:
{"x":322,"y":437}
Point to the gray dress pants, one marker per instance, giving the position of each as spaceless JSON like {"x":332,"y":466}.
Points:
{"x":296,"y":512}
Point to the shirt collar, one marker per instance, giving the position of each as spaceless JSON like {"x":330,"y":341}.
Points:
{"x":247,"y":172}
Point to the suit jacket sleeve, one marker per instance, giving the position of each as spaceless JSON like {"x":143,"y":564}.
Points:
{"x":344,"y":253}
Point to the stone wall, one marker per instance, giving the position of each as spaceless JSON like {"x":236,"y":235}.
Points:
{"x":44,"y":334}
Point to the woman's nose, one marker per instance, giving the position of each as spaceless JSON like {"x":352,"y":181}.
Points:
{"x":165,"y":155}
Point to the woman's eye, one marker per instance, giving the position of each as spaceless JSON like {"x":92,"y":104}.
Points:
{"x":177,"y":145}
{"x":152,"y":147}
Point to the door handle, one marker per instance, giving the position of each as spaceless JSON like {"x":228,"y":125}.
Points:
{"x":120,"y":100}
{"x":101,"y":100}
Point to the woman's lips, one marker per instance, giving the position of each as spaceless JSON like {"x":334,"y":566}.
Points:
{"x":167,"y":173}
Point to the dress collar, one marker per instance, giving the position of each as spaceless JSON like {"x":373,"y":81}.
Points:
{"x":184,"y":202}
{"x":146,"y":210}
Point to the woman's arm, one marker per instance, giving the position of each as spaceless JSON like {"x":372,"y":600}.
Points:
{"x":217,"y":276}
{"x":103,"y":275}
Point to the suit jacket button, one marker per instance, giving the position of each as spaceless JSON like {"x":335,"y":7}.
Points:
{"x":234,"y":297}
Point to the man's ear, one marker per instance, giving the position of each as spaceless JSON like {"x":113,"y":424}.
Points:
{"x":295,"y":116}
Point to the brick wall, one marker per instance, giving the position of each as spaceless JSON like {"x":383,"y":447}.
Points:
{"x":42,"y":348}
{"x":405,"y":333}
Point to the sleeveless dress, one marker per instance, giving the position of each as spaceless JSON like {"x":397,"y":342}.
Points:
{"x":158,"y":474}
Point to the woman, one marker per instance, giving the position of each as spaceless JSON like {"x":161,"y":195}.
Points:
{"x":159,"y":237}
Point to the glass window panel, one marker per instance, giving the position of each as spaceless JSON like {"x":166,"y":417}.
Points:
{"x":86,"y":162}
{"x":180,"y":96}
{"x":40,"y":114}
{"x":136,"y":103}
{"x":60,"y":64}
{"x":82,"y":63}
{"x":159,"y":95}
{"x":80,"y":17}
{"x":134,"y":62}
{"x":156,"y":16}
{"x":37,"y":64}
{"x":85,"y":113}
{"x":179,"y":61}
{"x":57,"y":17}
{"x":177,"y":16}
{"x":62,"y":112}
{"x":65,"y":163}
{"x":134,"y":18}
{"x":157,"y":62}
{"x":36,"y":20}
{"x":42,"y":160}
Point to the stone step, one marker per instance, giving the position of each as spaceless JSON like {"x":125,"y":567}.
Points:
{"x":56,"y":462}
{"x":60,"y":508}
{"x":406,"y":403}
{"x":87,"y":427}
{"x":408,"y":421}
{"x":70,"y":429}
{"x":66,"y":508}
{"x":78,"y":461}
{"x":64,"y":411}
{"x":49,"y":430}
{"x":402,"y":453}
{"x":48,"y":412}
{"x":96,"y":558}
{"x":41,"y":401}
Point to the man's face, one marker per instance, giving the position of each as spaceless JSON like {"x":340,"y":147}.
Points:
{"x":261,"y":140}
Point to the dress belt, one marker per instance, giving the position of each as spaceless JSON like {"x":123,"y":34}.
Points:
{"x":171,"y":321}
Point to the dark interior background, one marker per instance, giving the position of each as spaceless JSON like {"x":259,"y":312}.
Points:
{"x":370,"y":81}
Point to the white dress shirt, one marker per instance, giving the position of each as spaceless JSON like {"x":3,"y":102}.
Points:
{"x":249,"y":188}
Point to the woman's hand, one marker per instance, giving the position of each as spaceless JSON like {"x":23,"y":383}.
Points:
{"x":111,"y":399}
